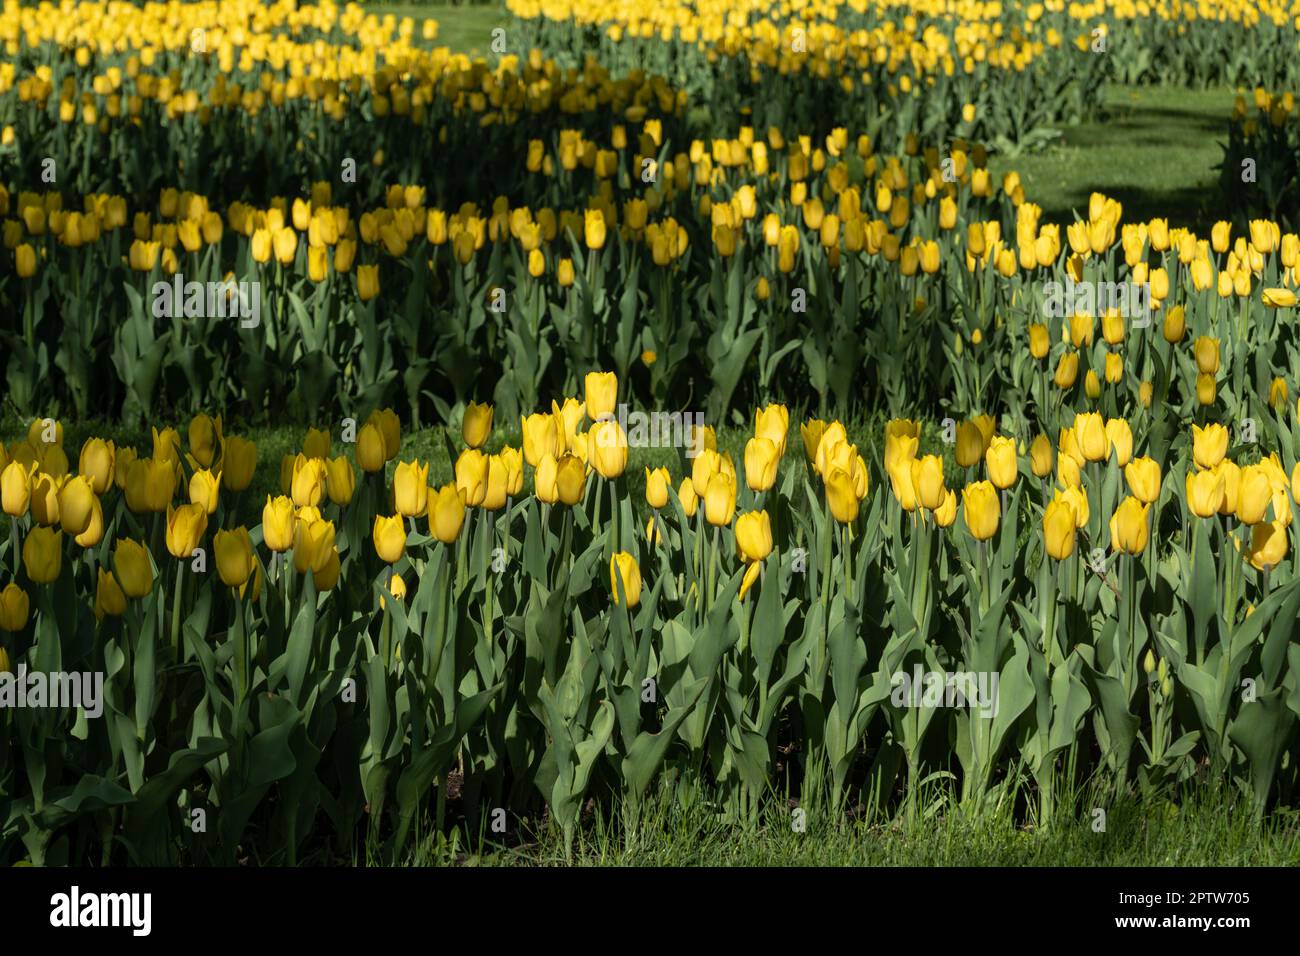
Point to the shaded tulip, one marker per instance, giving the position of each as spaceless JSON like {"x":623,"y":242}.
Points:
{"x":340,"y":481}
{"x":317,"y":443}
{"x":1067,"y":370}
{"x":109,"y":599}
{"x":43,"y":555}
{"x":76,"y":505}
{"x":390,"y":428}
{"x":370,"y":449}
{"x":96,"y":463}
{"x":812,"y":431}
{"x":234,"y":556}
{"x":94,"y":531}
{"x":238,"y":463}
{"x":133,"y":567}
{"x":687,"y":496}
{"x":14,"y":608}
{"x":970,"y":444}
{"x":1042,"y":456}
{"x":205,"y":437}
{"x":205,"y":490}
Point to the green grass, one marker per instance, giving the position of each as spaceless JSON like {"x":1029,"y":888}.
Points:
{"x":1206,"y":827}
{"x":464,"y":28}
{"x":1154,"y":149}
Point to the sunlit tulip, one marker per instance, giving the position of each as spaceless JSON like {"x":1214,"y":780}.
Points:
{"x":45,"y":498}
{"x":16,"y":488}
{"x":689,"y":498}
{"x":541,"y":434}
{"x":1000,"y":460}
{"x":927,"y":481}
{"x":570,"y":479}
{"x":308,"y":488}
{"x":1268,"y":544}
{"x":812,"y":431}
{"x":76,"y":505}
{"x":754,"y":536}
{"x":607,"y":448}
{"x":981,"y":509}
{"x":389,"y":535}
{"x":1254,"y":494}
{"x":1090,"y":433}
{"x":1143,"y":478}
{"x":313,"y":543}
{"x":476,"y":424}
{"x":1059,"y":527}
{"x":1128,"y":527}
{"x":773,"y":423}
{"x":601,"y":394}
{"x":1205,"y":493}
{"x":762,"y":457}
{"x":1209,"y":444}
{"x":411,"y":488}
{"x":1041,"y":456}
{"x":1067,"y":370}
{"x":656,"y":487}
{"x":446,"y":513}
{"x":841,"y":497}
{"x":471,"y":475}
{"x":205,"y":490}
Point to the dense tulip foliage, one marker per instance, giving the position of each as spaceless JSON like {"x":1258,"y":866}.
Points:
{"x":1061,"y":551}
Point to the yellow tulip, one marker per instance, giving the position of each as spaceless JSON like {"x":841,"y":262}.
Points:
{"x":411,"y":489}
{"x":185,"y":526}
{"x":656,"y":487}
{"x":278,"y":521}
{"x":1041,"y":456}
{"x":812,"y":432}
{"x":472,"y":475}
{"x":570,"y":479}
{"x":14,"y":608}
{"x":340,"y":481}
{"x":1120,"y":439}
{"x":970,"y":444}
{"x":1268,"y":544}
{"x":594,"y":229}
{"x":981,"y":509}
{"x":946,"y":513}
{"x":1231,"y":475}
{"x":762,"y":457}
{"x":773,"y":423}
{"x":308,"y":486}
{"x":109,"y":599}
{"x":16,"y":488}
{"x":1090,"y":433}
{"x":601,"y":394}
{"x":238,"y":463}
{"x":96,"y":463}
{"x":1205,"y":493}
{"x":1209,"y":444}
{"x":1067,"y":370}
{"x":607,"y":448}
{"x":625,"y":576}
{"x":313,"y":544}
{"x":541,"y":433}
{"x":1143,"y":478}
{"x":1254,"y":494}
{"x":753,"y":536}
{"x":234,"y":556}
{"x":94,"y":531}
{"x":1128,"y":526}
{"x":133,"y":567}
{"x":927,"y":481}
{"x":1279,"y":298}
{"x":205,"y":436}
{"x":1000,"y":460}
{"x":841,"y":496}
{"x":687,"y":496}
{"x":367,"y":282}
{"x":390,"y":429}
{"x":476,"y":425}
{"x":389,"y":534}
{"x":720,"y":499}
{"x":76,"y":505}
{"x":446,"y":513}
{"x":205,"y":490}
{"x":1039,"y":344}
{"x":370,"y":449}
{"x":317,"y":443}
{"x":1059,"y":526}
{"x":45,"y":499}
{"x":43,"y":555}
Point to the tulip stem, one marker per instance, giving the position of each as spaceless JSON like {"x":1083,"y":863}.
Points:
{"x":176,"y":610}
{"x":13,"y":537}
